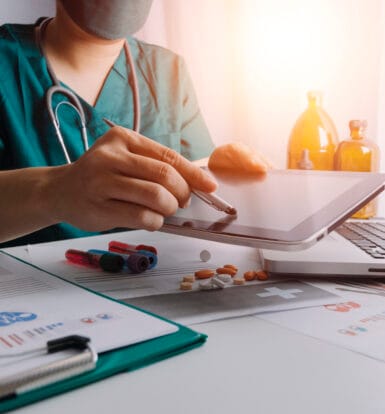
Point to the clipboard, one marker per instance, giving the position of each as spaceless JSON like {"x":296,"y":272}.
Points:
{"x":128,"y":358}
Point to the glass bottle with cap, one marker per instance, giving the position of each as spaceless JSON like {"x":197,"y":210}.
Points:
{"x":359,"y":154}
{"x":313,"y":139}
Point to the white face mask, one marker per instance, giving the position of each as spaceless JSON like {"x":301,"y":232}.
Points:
{"x":108,"y":19}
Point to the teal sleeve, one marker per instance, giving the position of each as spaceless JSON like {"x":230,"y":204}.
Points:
{"x":2,"y":144}
{"x":196,"y":142}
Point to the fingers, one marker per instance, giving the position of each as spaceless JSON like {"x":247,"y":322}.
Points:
{"x":125,"y":180}
{"x":253,"y":162}
{"x":117,"y":213}
{"x":140,"y":145}
{"x":237,"y":157}
{"x":150,"y":195}
{"x":108,"y":200}
{"x":150,"y":170}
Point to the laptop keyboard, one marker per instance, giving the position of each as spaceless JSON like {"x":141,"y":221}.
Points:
{"x":369,"y":237}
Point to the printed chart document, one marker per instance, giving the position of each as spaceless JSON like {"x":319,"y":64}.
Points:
{"x":355,"y":322}
{"x":157,"y":290}
{"x":36,"y":307}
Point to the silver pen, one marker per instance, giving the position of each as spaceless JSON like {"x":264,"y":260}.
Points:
{"x":216,"y":202}
{"x":109,"y":123}
{"x":209,"y":198}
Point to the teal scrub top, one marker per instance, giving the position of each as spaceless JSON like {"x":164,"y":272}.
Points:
{"x":170,"y":112}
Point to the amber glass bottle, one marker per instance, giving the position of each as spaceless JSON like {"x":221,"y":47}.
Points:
{"x":359,"y":154}
{"x":314,"y":131}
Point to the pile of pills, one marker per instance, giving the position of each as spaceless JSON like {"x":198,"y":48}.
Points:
{"x":219,"y":278}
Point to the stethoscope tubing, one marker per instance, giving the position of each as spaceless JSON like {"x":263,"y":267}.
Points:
{"x":74,"y":101}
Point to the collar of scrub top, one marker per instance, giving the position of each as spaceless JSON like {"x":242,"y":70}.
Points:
{"x":73,"y":100}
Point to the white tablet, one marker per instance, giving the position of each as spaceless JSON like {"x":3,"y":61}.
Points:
{"x":283,"y":209}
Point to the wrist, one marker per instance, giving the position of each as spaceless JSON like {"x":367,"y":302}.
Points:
{"x":49,"y":194}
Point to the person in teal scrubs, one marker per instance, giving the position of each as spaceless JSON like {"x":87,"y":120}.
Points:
{"x":126,"y":179}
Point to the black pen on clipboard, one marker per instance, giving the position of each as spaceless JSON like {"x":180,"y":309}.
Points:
{"x":210,"y":199}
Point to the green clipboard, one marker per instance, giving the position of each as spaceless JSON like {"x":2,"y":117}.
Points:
{"x":113,"y":362}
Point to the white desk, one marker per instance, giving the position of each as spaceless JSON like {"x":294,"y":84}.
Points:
{"x":246,"y":366}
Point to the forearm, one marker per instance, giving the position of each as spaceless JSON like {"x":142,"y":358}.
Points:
{"x":26,"y":200}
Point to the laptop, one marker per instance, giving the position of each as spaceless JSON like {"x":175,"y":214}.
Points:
{"x":356,"y":248}
{"x":282,"y":209}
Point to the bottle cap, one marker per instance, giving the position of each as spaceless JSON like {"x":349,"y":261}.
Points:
{"x":315,"y":96}
{"x":354,"y":124}
{"x":305,"y":162}
{"x":110,"y":262}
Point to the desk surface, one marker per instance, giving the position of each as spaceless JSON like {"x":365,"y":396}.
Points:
{"x":247,"y":366}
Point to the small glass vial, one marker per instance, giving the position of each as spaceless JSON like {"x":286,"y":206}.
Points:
{"x":359,"y":154}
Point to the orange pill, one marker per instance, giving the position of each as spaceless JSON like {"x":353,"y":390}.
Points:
{"x":231,"y":267}
{"x":250,"y":275}
{"x":189,"y":278}
{"x":262,"y":275}
{"x":239,"y":281}
{"x":226,"y":271}
{"x":186,"y":286}
{"x":204,"y":274}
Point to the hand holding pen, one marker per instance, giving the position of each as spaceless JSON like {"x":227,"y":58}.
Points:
{"x":210,"y":199}
{"x":124,"y":180}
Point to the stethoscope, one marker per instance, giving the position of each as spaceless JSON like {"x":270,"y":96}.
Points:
{"x":73,"y":100}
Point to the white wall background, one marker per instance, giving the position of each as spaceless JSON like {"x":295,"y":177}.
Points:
{"x":252,"y":61}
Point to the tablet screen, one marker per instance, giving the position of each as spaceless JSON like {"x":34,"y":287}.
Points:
{"x":281,"y":205}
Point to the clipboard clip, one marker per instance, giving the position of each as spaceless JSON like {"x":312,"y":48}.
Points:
{"x":68,"y":367}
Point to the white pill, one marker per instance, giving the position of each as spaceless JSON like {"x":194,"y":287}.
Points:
{"x":207,"y":286}
{"x":218,"y":282}
{"x":205,"y":255}
{"x":224,"y":278}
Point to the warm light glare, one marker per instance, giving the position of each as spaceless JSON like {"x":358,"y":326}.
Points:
{"x":289,"y":43}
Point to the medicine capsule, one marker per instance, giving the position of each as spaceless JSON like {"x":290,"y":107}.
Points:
{"x":189,"y":278}
{"x":262,"y":275}
{"x":231,"y":266}
{"x":186,"y":286}
{"x":250,"y":275}
{"x":205,"y":255}
{"x":238,"y":281}
{"x":204,"y":274}
{"x":226,"y":271}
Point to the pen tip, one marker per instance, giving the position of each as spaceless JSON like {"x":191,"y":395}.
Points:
{"x":109,"y":123}
{"x":232,"y":211}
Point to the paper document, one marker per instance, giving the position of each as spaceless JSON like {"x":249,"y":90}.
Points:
{"x":204,"y":306}
{"x":36,"y":307}
{"x":355,"y":322}
{"x":177,"y":256}
{"x":158,"y":291}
